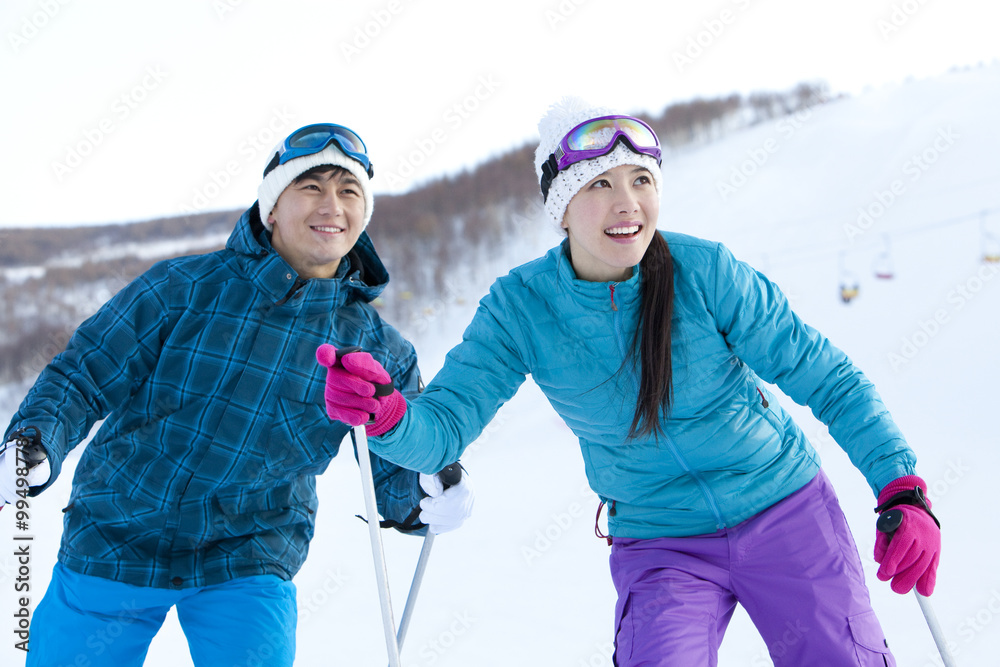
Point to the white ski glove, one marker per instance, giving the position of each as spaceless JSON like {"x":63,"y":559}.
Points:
{"x":38,"y":475}
{"x":445,"y":509}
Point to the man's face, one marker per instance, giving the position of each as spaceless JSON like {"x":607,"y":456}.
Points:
{"x":317,"y":220}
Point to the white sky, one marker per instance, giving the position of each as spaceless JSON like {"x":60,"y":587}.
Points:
{"x":119,"y":110}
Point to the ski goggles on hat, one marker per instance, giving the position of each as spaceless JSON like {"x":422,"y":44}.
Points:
{"x":597,"y":137}
{"x":314,"y":138}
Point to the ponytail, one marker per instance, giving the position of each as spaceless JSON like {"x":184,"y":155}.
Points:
{"x":653,"y":337}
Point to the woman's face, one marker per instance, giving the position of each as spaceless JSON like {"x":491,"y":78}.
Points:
{"x":610,"y":223}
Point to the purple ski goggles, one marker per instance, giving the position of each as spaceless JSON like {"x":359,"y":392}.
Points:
{"x":596,"y":137}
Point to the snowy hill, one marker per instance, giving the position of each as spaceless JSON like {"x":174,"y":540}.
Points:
{"x":906,"y":176}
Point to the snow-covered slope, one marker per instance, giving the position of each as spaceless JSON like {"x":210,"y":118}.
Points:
{"x":808,"y":199}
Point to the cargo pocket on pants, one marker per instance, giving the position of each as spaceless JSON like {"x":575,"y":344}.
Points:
{"x":869,"y":641}
{"x":623,"y":632}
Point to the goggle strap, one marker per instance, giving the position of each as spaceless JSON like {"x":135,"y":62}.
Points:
{"x":276,"y":160}
{"x":549,"y":170}
{"x":272,"y":165}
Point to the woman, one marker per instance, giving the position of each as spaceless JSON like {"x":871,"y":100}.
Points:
{"x":652,"y":347}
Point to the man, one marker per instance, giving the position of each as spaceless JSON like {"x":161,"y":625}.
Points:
{"x":198,"y":491}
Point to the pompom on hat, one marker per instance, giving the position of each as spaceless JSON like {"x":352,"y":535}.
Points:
{"x":557,"y":122}
{"x":280,"y":177}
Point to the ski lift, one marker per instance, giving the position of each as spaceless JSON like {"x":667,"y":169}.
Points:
{"x":849,"y":291}
{"x":850,"y":288}
{"x":990,"y":243}
{"x":883,"y":266}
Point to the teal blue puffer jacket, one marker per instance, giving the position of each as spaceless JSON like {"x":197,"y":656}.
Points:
{"x":728,"y":451}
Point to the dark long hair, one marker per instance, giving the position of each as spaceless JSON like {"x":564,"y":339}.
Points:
{"x":652,"y":340}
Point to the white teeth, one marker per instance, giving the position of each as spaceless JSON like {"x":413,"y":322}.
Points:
{"x":327,"y":229}
{"x":623,"y":230}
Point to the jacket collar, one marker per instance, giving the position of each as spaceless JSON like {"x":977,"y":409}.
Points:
{"x":627,"y":293}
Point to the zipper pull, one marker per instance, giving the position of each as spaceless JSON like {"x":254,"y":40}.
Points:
{"x":763,"y":401}
{"x":612,"y":288}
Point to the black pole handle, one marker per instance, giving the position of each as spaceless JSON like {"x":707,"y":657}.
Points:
{"x":451,"y":475}
{"x":889,"y":521}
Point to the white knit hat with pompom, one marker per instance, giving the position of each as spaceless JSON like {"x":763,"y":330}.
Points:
{"x":557,"y":122}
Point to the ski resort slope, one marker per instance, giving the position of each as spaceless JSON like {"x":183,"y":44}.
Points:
{"x":902,"y":180}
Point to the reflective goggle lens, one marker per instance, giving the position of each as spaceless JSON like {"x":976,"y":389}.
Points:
{"x":597,"y":134}
{"x":318,"y":136}
{"x":314,"y":138}
{"x":597,"y":137}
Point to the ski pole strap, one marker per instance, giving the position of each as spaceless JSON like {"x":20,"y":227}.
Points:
{"x":914,"y":496}
{"x":408,"y":525}
{"x":450,"y":476}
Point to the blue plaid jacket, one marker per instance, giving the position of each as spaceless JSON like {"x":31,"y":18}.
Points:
{"x":204,"y":371}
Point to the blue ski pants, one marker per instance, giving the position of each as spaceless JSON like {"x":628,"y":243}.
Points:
{"x":794,"y":567}
{"x":84,"y":620}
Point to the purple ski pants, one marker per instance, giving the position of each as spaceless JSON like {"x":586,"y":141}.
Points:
{"x":794,"y":567}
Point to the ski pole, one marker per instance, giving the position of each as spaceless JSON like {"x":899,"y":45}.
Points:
{"x":450,"y":476}
{"x":371,"y":512}
{"x":887,"y":523}
{"x":378,"y":554}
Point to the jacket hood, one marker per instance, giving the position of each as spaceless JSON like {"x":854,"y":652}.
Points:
{"x":366,"y":276}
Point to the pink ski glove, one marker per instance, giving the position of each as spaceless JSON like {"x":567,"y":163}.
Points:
{"x":908,"y":542}
{"x":359,"y":391}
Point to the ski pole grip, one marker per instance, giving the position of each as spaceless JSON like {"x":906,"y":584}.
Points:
{"x":451,"y":475}
{"x":889,"y":521}
{"x":381,"y":390}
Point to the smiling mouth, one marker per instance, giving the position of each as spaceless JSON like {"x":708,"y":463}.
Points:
{"x":624,"y":231}
{"x":328,"y":230}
